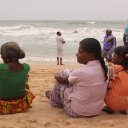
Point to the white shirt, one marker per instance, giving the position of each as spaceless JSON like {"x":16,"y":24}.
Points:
{"x":88,"y":90}
{"x":59,"y":41}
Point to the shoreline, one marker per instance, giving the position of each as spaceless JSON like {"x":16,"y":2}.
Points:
{"x":31,"y":62}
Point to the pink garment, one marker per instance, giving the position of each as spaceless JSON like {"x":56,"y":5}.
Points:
{"x":88,"y":90}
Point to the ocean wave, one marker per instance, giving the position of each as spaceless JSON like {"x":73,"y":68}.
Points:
{"x":39,"y":38}
{"x":91,"y":22}
{"x":25,"y":30}
{"x":21,"y":27}
{"x":13,"y":28}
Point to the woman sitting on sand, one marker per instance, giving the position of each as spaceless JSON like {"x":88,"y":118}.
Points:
{"x":15,"y":96}
{"x":117,"y":94}
{"x":82,"y":92}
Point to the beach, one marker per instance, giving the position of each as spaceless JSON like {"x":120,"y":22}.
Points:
{"x":43,"y":115}
{"x":38,"y":39}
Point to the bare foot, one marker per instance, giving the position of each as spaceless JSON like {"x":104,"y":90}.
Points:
{"x":61,"y":64}
{"x":108,"y":110}
{"x":47,"y":94}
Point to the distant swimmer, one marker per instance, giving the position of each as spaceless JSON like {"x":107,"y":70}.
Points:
{"x":75,"y":31}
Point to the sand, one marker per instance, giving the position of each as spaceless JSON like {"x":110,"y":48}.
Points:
{"x":43,"y":115}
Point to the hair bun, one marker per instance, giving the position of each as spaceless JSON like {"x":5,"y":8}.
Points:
{"x":12,"y":50}
{"x":21,"y":54}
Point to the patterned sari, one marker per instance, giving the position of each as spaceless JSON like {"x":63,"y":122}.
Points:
{"x":18,"y":105}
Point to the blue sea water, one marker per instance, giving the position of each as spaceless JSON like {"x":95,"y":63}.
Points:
{"x":38,"y":38}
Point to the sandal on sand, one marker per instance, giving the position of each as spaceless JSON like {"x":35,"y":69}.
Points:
{"x":108,"y":110}
{"x":47,"y":94}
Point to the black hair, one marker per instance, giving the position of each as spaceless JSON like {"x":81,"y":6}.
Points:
{"x":91,"y":45}
{"x":122,"y":53}
{"x":58,"y":33}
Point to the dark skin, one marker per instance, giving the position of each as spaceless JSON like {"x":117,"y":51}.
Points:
{"x":116,"y":59}
{"x":13,"y":63}
{"x":82,"y":58}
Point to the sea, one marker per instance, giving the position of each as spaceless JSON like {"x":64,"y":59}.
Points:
{"x":38,"y":38}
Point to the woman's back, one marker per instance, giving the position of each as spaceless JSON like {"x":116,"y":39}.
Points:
{"x":89,"y":88}
{"x":120,"y":83}
{"x":12,"y":84}
{"x":15,"y":95}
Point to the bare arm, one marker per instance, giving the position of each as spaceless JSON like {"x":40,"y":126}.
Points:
{"x":27,"y":86}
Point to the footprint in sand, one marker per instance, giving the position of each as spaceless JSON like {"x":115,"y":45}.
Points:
{"x":67,"y":123}
{"x":61,"y":112}
{"x":50,"y":124}
{"x":32,"y":121}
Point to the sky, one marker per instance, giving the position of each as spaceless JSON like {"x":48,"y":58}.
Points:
{"x":64,"y":10}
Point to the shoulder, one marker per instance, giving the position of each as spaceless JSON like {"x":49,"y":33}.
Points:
{"x":117,"y":68}
{"x":3,"y":66}
{"x":111,"y":36}
{"x":58,"y":38}
{"x":78,"y":72}
{"x":61,"y":38}
{"x":26,"y":67}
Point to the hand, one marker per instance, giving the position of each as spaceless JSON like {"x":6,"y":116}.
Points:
{"x":110,"y":39}
{"x":62,"y":80}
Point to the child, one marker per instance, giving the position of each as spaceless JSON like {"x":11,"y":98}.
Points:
{"x":117,"y":95}
{"x":15,"y":95}
{"x":82,"y":92}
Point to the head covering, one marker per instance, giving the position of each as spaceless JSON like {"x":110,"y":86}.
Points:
{"x":13,"y":50}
